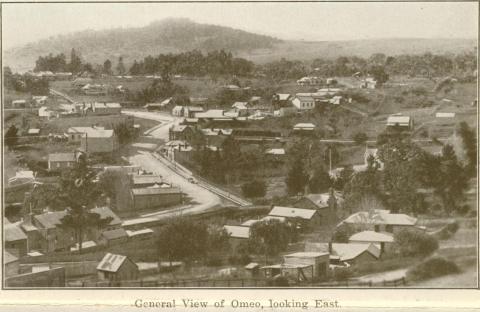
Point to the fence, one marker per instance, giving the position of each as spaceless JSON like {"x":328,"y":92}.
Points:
{"x":236,"y":283}
{"x":172,"y":284}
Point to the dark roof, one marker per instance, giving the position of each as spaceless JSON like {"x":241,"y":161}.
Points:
{"x":105,"y":212}
{"x":156,"y":191}
{"x":50,"y":219}
{"x":114,"y":234}
{"x":13,"y":233}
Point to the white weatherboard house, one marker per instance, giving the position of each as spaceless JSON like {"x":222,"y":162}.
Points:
{"x":303,"y":102}
{"x":399,"y":120}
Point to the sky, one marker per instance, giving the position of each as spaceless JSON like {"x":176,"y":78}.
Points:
{"x":29,"y":22}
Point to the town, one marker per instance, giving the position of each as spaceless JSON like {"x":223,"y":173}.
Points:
{"x":200,"y":169}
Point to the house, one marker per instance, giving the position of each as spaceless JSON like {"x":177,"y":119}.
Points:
{"x":281,"y":100}
{"x":304,"y":127}
{"x":19,"y":104}
{"x":116,"y":268}
{"x":101,"y":109}
{"x":177,"y":111}
{"x":379,"y":221}
{"x":146,"y":180}
{"x":155,"y":197}
{"x":237,"y":235}
{"x":337,"y":100}
{"x":308,"y":218}
{"x":285,"y":111}
{"x":45,"y":112}
{"x":241,"y":108}
{"x":98,"y":141}
{"x":308,"y":81}
{"x":55,"y":238}
{"x":320,"y":202}
{"x":383,"y":239}
{"x":60,"y":161}
{"x":40,"y":99}
{"x":81,"y":82}
{"x":51,"y":237}
{"x":142,"y":234}
{"x":75,"y":134}
{"x":21,"y":177}
{"x":180,"y":132}
{"x":211,"y":114}
{"x":190,"y":111}
{"x":94,"y":89}
{"x":113,"y":237}
{"x":301,"y":266}
{"x":352,"y":253}
{"x":370,"y":83}
{"x":398,"y":120}
{"x":15,"y":239}
{"x":33,"y":132}
{"x":12,"y":264}
{"x":199,"y":101}
{"x":304,"y":102}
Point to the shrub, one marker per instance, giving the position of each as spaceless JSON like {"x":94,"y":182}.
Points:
{"x":452,"y":227}
{"x":414,"y":243}
{"x":255,"y":188}
{"x":342,"y":274}
{"x":342,"y":234}
{"x":431,"y":268}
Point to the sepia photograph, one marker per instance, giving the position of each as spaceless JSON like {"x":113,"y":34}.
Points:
{"x":239,"y":145}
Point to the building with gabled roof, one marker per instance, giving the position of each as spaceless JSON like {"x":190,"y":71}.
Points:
{"x":399,"y":120}
{"x":308,"y":218}
{"x":116,"y":268}
{"x":379,"y":221}
{"x":352,"y":253}
{"x":303,"y":102}
{"x":15,"y":239}
{"x":155,"y":197}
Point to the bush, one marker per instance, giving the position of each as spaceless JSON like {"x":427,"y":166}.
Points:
{"x":342,"y":274}
{"x":452,"y":227}
{"x":342,"y":234}
{"x":256,"y":188}
{"x":431,"y":268}
{"x":414,"y":243}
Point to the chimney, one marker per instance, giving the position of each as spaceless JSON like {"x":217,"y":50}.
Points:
{"x":330,"y":247}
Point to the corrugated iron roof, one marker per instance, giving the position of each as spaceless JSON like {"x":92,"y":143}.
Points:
{"x":371,"y":236}
{"x":290,"y":212}
{"x":111,"y":262}
{"x":236,"y":231}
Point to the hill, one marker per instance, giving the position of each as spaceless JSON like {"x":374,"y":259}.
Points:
{"x":178,"y":35}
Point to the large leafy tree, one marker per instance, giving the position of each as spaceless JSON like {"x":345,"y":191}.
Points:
{"x":297,"y":177}
{"x":182,"y":239}
{"x":79,"y":193}
{"x":270,"y":237}
{"x":11,"y":137}
{"x":470,"y":145}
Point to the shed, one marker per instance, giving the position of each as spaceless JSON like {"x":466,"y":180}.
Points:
{"x":117,"y":268}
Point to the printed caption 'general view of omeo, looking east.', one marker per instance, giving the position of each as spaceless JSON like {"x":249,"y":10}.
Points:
{"x":240,"y":145}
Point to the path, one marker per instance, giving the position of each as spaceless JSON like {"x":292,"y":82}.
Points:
{"x":62,"y":95}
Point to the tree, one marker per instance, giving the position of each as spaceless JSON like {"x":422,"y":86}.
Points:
{"x":297,"y":177}
{"x":75,"y":64}
{"x":123,"y":132}
{"x":320,"y":181}
{"x":11,"y":137}
{"x":182,"y":239}
{"x":414,"y":243}
{"x":270,"y":237}
{"x":79,"y":193}
{"x":255,"y":188}
{"x":452,"y":180}
{"x":120,"y":67}
{"x":107,"y":67}
{"x":344,"y":177}
{"x":470,"y":145}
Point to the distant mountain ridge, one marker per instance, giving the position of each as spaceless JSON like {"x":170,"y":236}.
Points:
{"x":180,"y":35}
